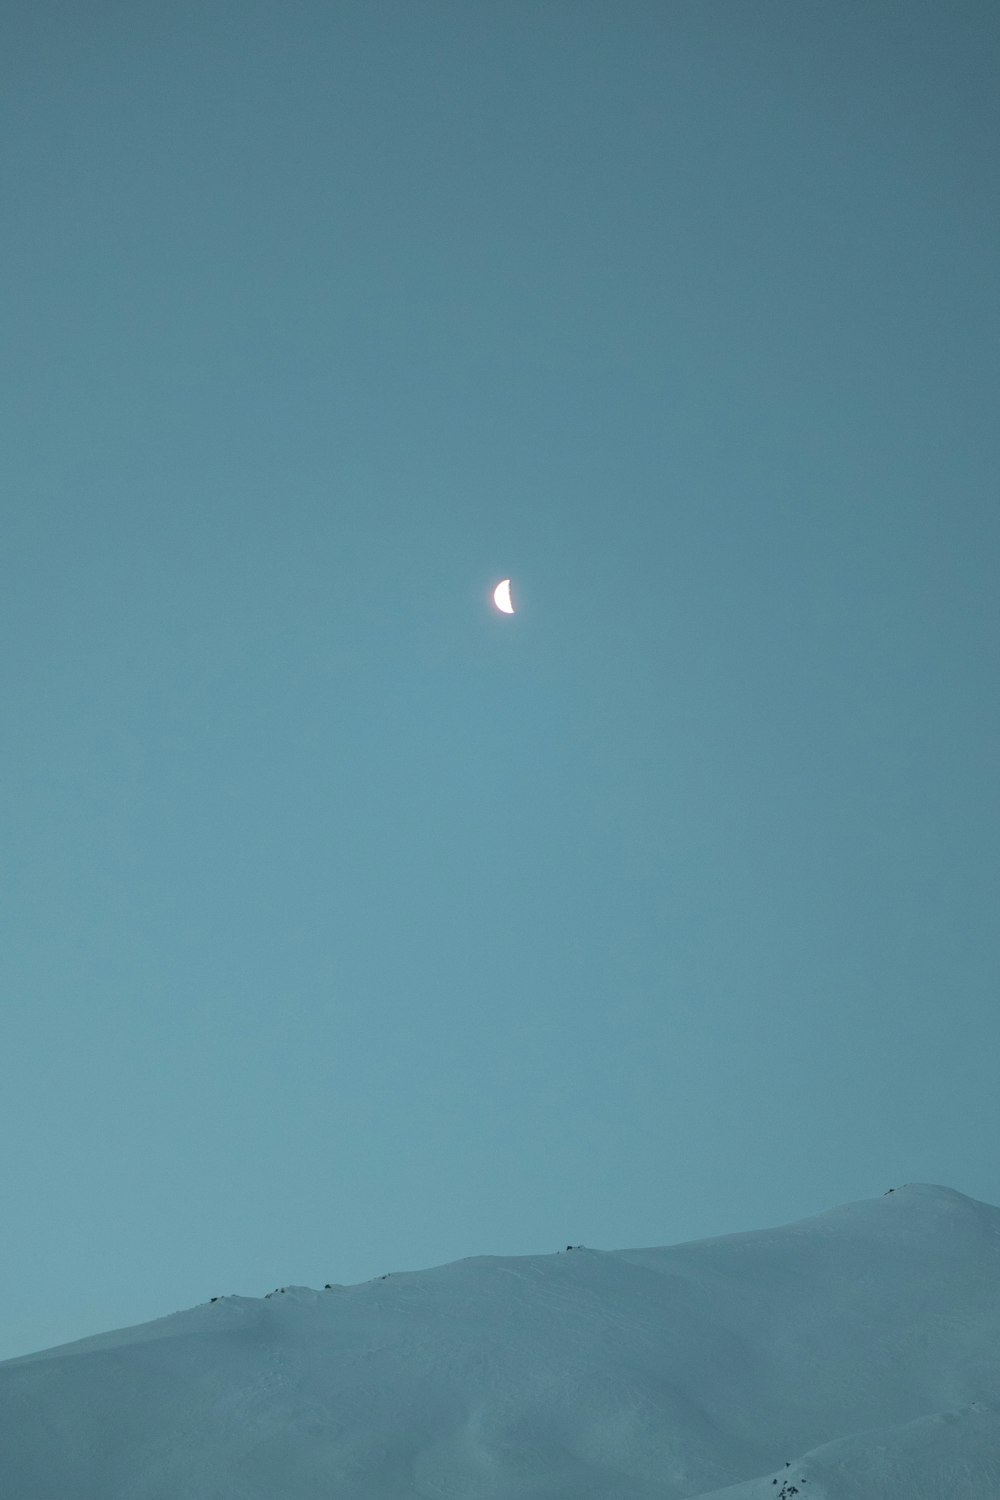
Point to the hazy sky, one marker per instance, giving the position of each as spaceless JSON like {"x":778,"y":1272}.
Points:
{"x":348,"y":925}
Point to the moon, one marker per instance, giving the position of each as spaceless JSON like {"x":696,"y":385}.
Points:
{"x":501,"y":597}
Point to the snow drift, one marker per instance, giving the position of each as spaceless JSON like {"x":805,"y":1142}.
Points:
{"x":853,"y":1356}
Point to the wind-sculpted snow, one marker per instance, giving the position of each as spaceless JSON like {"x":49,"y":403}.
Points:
{"x":854,"y":1356}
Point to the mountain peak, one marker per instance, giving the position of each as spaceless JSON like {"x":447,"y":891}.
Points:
{"x":687,"y":1370}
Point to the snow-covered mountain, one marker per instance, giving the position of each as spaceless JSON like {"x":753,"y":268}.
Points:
{"x":853,"y":1356}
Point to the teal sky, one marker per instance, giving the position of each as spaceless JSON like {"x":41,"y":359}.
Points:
{"x":346,"y":925}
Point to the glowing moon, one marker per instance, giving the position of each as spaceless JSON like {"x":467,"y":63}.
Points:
{"x":501,"y":597}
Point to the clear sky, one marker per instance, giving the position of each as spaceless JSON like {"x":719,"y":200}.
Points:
{"x":347,"y":925}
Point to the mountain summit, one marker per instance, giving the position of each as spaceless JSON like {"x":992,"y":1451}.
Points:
{"x":852,"y":1356}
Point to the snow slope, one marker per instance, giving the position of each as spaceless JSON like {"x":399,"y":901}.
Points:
{"x":853,"y":1356}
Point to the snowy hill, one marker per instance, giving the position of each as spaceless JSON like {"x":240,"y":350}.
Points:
{"x":853,"y":1356}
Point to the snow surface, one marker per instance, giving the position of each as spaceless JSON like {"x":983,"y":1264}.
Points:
{"x":853,"y":1356}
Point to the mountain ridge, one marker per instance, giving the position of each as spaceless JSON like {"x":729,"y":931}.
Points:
{"x":677,"y":1371}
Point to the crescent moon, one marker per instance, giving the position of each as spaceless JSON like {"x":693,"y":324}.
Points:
{"x":501,"y":597}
